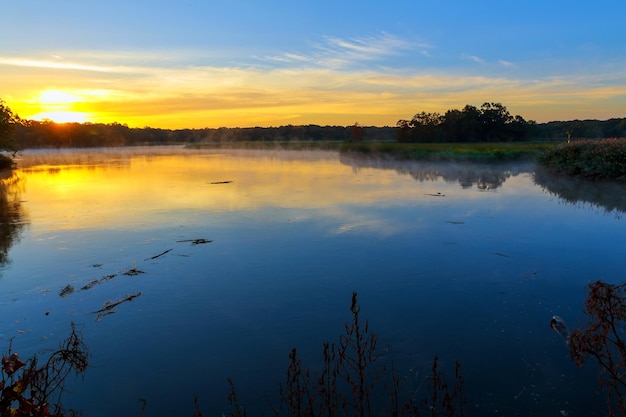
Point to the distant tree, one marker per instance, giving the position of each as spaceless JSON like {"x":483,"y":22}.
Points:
{"x":404,"y":131}
{"x":8,"y":121}
{"x":426,"y":127}
{"x":495,"y":117}
{"x":357,"y":133}
{"x":491,"y":123}
{"x":453,"y":122}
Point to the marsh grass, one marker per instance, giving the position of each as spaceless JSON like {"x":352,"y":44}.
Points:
{"x":590,"y":159}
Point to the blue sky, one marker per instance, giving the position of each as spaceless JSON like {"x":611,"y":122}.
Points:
{"x":248,"y":63}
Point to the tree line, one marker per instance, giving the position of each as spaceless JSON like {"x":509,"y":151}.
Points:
{"x":491,"y":122}
{"x":38,"y":134}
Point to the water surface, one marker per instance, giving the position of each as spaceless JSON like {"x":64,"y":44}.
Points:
{"x":463,"y":262}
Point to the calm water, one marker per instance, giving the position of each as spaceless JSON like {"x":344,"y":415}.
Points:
{"x":468,"y":263}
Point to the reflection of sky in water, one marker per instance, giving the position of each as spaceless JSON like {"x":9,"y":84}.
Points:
{"x":468,"y":272}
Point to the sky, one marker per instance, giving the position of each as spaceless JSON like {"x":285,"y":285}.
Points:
{"x":243,"y":63}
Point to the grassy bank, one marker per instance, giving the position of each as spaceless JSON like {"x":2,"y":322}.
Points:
{"x":478,"y":152}
{"x":591,"y":159}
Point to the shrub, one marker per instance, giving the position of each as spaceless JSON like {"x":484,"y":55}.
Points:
{"x":591,"y":159}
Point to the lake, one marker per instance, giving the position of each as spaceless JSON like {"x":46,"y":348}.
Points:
{"x":246,"y":254}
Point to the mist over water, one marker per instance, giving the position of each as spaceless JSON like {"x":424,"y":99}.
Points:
{"x":465,"y":262}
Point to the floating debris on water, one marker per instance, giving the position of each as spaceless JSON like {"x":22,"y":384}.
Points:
{"x":559,"y":326}
{"x":67,"y":290}
{"x":158,"y":256}
{"x":435,"y":195}
{"x":133,"y":271}
{"x":220,"y":182}
{"x":108,"y":306}
{"x":455,"y":222}
{"x":504,"y":255}
{"x":90,"y":284}
{"x":195,"y":241}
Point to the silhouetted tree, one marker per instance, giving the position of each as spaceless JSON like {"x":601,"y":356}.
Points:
{"x":491,"y":123}
{"x":495,"y":117}
{"x":357,"y":133}
{"x":8,"y":121}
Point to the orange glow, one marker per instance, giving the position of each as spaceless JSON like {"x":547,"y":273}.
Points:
{"x":88,"y":190}
{"x":59,"y":106}
{"x":62,"y":116}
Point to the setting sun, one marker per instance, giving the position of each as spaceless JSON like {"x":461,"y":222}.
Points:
{"x":62,"y":116}
{"x":59,"y":106}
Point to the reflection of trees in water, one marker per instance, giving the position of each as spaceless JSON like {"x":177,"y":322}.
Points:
{"x":12,"y":217}
{"x":610,"y":196}
{"x":483,"y":176}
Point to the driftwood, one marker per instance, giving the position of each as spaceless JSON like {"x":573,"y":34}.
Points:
{"x":95,"y":282}
{"x":108,"y":307}
{"x":133,"y":271}
{"x":90,"y":284}
{"x":158,"y":256}
{"x":220,"y":182}
{"x":67,"y":290}
{"x":195,"y":241}
{"x":435,"y":195}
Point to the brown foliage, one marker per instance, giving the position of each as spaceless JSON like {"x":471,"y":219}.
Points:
{"x":31,"y":390}
{"x":603,"y":340}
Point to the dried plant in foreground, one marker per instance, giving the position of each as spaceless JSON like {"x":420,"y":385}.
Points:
{"x":33,"y":390}
{"x":353,"y":382}
{"x":604,"y":341}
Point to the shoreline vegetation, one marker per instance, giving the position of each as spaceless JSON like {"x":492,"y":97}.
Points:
{"x":485,"y":134}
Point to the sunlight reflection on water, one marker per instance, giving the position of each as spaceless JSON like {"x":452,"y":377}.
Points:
{"x":466,"y":262}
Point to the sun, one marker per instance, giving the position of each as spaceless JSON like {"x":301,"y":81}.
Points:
{"x":60,"y":107}
{"x":62,"y":116}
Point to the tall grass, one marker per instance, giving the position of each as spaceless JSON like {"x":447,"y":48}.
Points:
{"x":590,"y":159}
{"x":354,"y":381}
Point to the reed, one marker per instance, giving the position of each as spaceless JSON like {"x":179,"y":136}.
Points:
{"x":354,"y":381}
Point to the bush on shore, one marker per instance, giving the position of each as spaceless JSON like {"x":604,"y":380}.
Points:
{"x":591,"y":159}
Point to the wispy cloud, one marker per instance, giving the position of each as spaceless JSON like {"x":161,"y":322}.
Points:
{"x":305,"y":90}
{"x":335,"y":52}
{"x":55,"y":63}
{"x":473,"y":58}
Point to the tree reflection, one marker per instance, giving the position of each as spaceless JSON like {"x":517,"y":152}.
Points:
{"x":468,"y":175}
{"x":12,"y":216}
{"x":610,"y":196}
